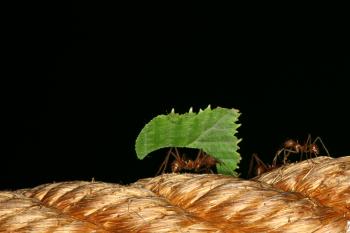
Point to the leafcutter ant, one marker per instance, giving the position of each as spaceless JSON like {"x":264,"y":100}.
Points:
{"x":290,"y":146}
{"x":203,"y":163}
{"x":309,"y":149}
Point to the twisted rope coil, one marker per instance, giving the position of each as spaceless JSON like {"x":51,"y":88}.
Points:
{"x":323,"y":178}
{"x":187,"y":203}
{"x":250,"y":206}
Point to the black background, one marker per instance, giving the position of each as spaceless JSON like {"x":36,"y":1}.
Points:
{"x":86,"y":77}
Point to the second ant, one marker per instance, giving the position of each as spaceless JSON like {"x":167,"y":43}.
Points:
{"x":309,"y":149}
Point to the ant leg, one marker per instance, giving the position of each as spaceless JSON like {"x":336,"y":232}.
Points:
{"x":301,"y":156}
{"x":274,"y":161}
{"x":199,"y":155}
{"x":251,"y":165}
{"x":176,"y":154}
{"x":308,"y":140}
{"x":307,"y":147}
{"x":180,"y":159}
{"x":287,"y":152}
{"x":163,"y":166}
{"x":324,"y":147}
{"x":258,"y":162}
{"x":196,"y":164}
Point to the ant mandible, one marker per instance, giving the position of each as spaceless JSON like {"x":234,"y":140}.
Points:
{"x":291,"y":146}
{"x":202,"y":164}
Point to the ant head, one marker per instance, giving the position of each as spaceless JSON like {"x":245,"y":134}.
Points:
{"x":314,"y":149}
{"x":176,"y":166}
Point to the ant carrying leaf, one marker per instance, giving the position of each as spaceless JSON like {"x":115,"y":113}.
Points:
{"x":203,"y":163}
{"x":210,"y":130}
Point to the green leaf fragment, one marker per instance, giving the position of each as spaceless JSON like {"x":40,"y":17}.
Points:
{"x":211,"y":130}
